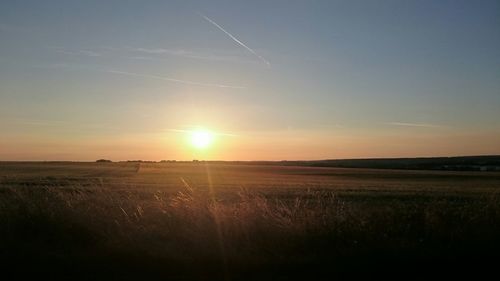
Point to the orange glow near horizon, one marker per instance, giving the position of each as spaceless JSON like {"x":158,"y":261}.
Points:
{"x":224,"y":142}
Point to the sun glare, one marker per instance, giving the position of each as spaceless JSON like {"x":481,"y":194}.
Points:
{"x":201,"y":138}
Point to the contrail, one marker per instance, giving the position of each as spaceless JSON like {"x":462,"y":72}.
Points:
{"x":173,"y":79}
{"x":236,"y":39}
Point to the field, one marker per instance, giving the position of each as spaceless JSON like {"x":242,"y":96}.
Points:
{"x":216,"y":221}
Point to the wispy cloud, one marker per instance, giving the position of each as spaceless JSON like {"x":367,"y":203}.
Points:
{"x":58,"y":124}
{"x":423,"y":125}
{"x":174,"y":80}
{"x":134,"y":74}
{"x":152,"y":54}
{"x":161,"y":51}
{"x":184,"y":53}
{"x":37,"y":122}
{"x":193,"y":130}
{"x":235,"y":39}
{"x":87,"y":53}
{"x":141,"y":58}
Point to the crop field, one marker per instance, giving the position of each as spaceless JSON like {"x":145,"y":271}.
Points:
{"x":215,"y":221}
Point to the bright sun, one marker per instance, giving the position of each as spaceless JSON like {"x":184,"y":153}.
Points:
{"x":201,"y":138}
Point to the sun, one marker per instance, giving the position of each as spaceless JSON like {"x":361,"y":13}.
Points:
{"x":201,"y":139}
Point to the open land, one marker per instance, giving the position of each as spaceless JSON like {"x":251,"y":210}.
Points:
{"x":222,"y":221}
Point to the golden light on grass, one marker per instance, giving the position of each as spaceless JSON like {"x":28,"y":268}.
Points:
{"x":201,"y":139}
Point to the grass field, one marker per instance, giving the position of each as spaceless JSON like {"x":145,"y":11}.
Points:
{"x":202,"y":221}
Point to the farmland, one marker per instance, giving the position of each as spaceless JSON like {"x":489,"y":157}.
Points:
{"x":218,"y":221}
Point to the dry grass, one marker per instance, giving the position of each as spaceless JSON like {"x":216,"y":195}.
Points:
{"x":199,"y":232}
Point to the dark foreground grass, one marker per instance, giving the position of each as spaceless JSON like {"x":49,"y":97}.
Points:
{"x":194,"y":235}
{"x":84,"y":231}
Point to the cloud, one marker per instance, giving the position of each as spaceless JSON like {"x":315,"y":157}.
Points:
{"x":134,"y":74}
{"x":87,"y":53}
{"x":236,"y":39}
{"x":38,"y":122}
{"x":405,"y":124}
{"x":194,"y":130}
{"x":191,"y":54}
{"x":152,"y":54}
{"x":174,"y":80}
{"x":59,"y":124}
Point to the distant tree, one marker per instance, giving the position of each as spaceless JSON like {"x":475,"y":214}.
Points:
{"x":103,"y":161}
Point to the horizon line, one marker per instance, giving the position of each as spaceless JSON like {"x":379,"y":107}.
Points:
{"x":282,"y":160}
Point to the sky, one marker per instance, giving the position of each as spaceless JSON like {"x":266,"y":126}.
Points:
{"x":273,"y":80}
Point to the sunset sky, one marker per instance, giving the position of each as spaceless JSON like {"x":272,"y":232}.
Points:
{"x":271,"y":80}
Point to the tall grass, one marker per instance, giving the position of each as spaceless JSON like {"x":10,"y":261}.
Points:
{"x":198,"y":232}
